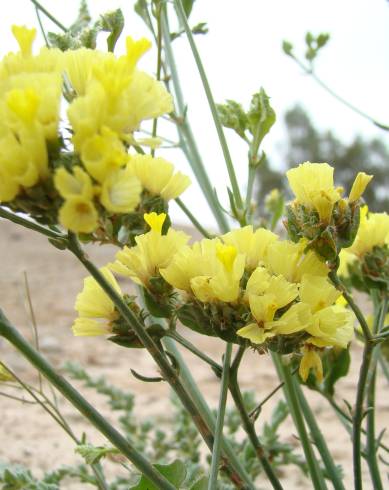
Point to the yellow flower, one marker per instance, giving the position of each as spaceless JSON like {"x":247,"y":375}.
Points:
{"x":345,"y":258}
{"x":209,"y":270}
{"x":331,"y":326}
{"x":24,"y":104}
{"x":102,"y":153}
{"x":155,"y":221}
{"x":157,"y":176}
{"x":258,"y":282}
{"x":22,"y":94}
{"x":95,"y":308}
{"x":135,"y":50}
{"x":25,"y":37}
{"x":254,"y":244}
{"x":358,"y":188}
{"x":311,"y":360}
{"x":152,"y":252}
{"x":263,"y":309}
{"x":120,"y":192}
{"x":9,"y":188}
{"x":288,"y":258}
{"x":373,"y":231}
{"x":318,"y":292}
{"x":78,"y":66}
{"x":72,"y":185}
{"x":313,"y":186}
{"x":78,"y":214}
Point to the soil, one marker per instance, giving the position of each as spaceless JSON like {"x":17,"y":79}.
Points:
{"x":29,"y":437}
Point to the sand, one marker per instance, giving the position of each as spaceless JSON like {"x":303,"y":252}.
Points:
{"x":29,"y":437}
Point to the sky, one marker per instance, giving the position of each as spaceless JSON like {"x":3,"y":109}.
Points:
{"x":242,"y":52}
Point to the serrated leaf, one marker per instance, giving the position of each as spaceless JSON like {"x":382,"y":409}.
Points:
{"x":174,"y":472}
{"x":261,"y":118}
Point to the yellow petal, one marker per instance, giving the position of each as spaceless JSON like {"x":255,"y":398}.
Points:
{"x":25,"y":37}
{"x":78,"y":214}
{"x":311,"y":360}
{"x":155,"y":221}
{"x":358,"y":188}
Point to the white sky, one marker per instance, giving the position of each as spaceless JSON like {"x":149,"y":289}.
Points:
{"x":242,"y":52}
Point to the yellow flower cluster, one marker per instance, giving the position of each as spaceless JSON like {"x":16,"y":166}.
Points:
{"x":283,"y":288}
{"x":313,"y":186}
{"x":108,"y":98}
{"x":373,"y":232}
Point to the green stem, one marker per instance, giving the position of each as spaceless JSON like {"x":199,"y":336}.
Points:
{"x":296,"y":412}
{"x":206,"y":413}
{"x":223,"y":143}
{"x":38,"y":15}
{"x":187,"y":140}
{"x":188,"y":345}
{"x":371,"y":446}
{"x":247,"y":422}
{"x":317,"y":437}
{"x":167,"y":370}
{"x":250,"y":185}
{"x":383,"y":365}
{"x":30,"y":224}
{"x":159,"y":65}
{"x":357,"y":312}
{"x":212,"y":483}
{"x":81,"y":404}
{"x":340,"y":99}
{"x":48,"y":15}
{"x":194,"y":220}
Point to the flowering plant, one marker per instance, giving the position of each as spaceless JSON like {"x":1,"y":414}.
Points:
{"x":74,"y":167}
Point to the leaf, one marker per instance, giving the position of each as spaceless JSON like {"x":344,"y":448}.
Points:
{"x":201,"y":484}
{"x":155,"y":307}
{"x":336,"y":365}
{"x":187,"y":5}
{"x":261,"y":118}
{"x":287,"y":48}
{"x":93,"y":454}
{"x":141,"y":9}
{"x":232,"y":115}
{"x":83,"y":19}
{"x":112,"y":22}
{"x":193,"y":317}
{"x":174,"y":472}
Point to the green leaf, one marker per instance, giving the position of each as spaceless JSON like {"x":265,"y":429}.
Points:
{"x":156,"y":307}
{"x":261,"y":118}
{"x":193,"y":317}
{"x":174,"y":472}
{"x":93,"y":454}
{"x":287,"y":48}
{"x":336,"y":365}
{"x":112,"y":22}
{"x":232,"y":115}
{"x":187,"y":6}
{"x":201,"y":484}
{"x":141,"y":8}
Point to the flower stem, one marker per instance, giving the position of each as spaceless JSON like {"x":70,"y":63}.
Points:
{"x":317,"y":437}
{"x":159,"y":65}
{"x":223,"y":143}
{"x":371,"y":445}
{"x":212,"y":483}
{"x":194,"y":220}
{"x":49,"y":15}
{"x":206,"y":413}
{"x":187,"y":140}
{"x":339,"y":98}
{"x":247,"y":422}
{"x":81,"y":404}
{"x":31,"y":225}
{"x":296,"y":412}
{"x":188,"y":345}
{"x":168,"y":372}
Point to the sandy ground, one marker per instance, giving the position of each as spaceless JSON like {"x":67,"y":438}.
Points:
{"x":31,"y":438}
